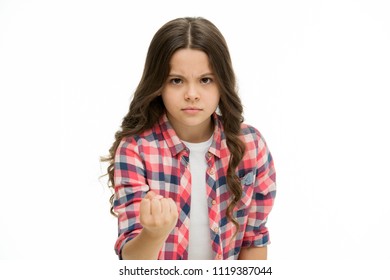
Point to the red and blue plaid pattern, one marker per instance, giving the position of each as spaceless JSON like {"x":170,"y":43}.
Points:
{"x":157,"y":160}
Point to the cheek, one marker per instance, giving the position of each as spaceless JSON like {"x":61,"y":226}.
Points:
{"x":217,"y":99}
{"x":164,"y":99}
{"x":164,"y":95}
{"x":167,"y":99}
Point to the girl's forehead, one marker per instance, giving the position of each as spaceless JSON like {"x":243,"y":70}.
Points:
{"x":189,"y":61}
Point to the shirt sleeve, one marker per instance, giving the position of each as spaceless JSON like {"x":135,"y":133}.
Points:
{"x":256,"y":233}
{"x":130,"y":188}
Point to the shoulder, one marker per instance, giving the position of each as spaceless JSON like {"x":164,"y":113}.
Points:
{"x":138,"y":142}
{"x":247,"y":131}
{"x":250,"y":134}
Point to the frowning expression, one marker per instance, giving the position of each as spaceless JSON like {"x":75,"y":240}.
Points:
{"x":190,"y":94}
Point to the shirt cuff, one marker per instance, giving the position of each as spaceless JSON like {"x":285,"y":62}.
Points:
{"x":122,"y":240}
{"x":259,"y":240}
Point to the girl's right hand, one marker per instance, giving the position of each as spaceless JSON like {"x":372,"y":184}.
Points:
{"x":158,"y":215}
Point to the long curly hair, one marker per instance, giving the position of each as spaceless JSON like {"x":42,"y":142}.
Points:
{"x":147,"y":106}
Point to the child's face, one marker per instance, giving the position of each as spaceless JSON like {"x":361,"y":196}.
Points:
{"x":191,"y":95}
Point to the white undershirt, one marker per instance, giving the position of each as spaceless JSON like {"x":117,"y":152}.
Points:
{"x":199,"y":247}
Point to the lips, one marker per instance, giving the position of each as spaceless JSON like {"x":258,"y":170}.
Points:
{"x":191,"y":110}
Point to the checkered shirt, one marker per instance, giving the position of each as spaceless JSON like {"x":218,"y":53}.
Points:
{"x":157,"y":160}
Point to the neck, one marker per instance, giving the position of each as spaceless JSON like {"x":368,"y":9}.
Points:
{"x":195,"y":134}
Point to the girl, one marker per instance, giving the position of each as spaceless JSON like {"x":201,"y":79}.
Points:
{"x":190,"y":183}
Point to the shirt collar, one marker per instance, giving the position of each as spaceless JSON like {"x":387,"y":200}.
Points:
{"x":176,"y":145}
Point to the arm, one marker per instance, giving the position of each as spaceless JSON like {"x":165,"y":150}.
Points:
{"x":144,"y":218}
{"x":158,"y":217}
{"x":256,"y":236}
{"x":142,"y":247}
{"x":253,"y":253}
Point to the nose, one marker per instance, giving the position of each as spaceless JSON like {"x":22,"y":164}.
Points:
{"x":192,"y":93}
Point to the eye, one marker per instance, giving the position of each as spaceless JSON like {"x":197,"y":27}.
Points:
{"x":176,"y":81}
{"x":206,"y":80}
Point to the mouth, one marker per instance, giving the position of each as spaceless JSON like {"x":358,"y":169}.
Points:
{"x":192,"y":110}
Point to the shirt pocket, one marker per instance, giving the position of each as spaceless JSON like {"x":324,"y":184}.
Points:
{"x":247,"y":182}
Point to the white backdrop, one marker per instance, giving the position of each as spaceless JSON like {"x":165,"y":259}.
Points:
{"x":313,"y":77}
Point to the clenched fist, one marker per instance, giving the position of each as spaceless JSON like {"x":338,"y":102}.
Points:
{"x":158,"y":215}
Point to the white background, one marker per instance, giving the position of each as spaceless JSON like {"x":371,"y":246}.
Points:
{"x":313,"y":77}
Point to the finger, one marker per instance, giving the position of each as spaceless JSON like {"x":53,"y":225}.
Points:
{"x":155,"y":207}
{"x":152,"y":194}
{"x":165,"y":206}
{"x":172,"y":205}
{"x":145,"y":207}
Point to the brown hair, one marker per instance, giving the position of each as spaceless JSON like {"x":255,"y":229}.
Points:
{"x":147,"y":106}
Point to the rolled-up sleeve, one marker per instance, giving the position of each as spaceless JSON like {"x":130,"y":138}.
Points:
{"x":256,"y":232}
{"x":130,"y":188}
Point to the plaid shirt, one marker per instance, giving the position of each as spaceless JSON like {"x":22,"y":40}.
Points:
{"x":157,"y":160}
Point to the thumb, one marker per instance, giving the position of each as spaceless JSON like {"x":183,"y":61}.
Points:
{"x":151,"y":194}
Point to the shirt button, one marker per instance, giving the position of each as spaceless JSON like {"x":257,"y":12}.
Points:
{"x":216,"y":229}
{"x":219,"y":257}
{"x":213,"y":202}
{"x":212,"y":171}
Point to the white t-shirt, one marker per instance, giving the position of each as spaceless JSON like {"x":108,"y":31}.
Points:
{"x":199,"y":247}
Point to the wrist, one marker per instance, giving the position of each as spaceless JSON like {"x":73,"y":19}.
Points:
{"x":155,"y":236}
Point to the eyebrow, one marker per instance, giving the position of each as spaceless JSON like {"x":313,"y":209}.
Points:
{"x":181,"y":76}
